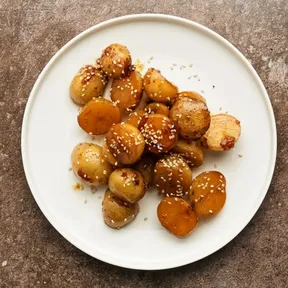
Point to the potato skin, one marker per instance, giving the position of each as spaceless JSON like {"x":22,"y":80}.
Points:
{"x":115,"y":61}
{"x":98,"y":116}
{"x":177,"y":216}
{"x":134,"y":118}
{"x":222,"y":134}
{"x":125,"y":142}
{"x":127,"y":184}
{"x":89,"y":165}
{"x":146,"y":167}
{"x":116,"y":212}
{"x":126,"y":92}
{"x":208,"y":193}
{"x":159,"y":133}
{"x":192,"y":95}
{"x":88,"y":83}
{"x":158,"y":88}
{"x":157,"y":108}
{"x":191,"y":117}
{"x":172,"y":176}
{"x":191,"y":151}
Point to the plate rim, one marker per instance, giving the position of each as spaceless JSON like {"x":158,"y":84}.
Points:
{"x":114,"y":260}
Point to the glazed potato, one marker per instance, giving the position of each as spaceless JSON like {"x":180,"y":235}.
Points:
{"x":125,"y":142}
{"x":192,"y":95}
{"x":208,"y":193}
{"x":159,"y":133}
{"x":146,"y":167}
{"x":172,"y":176}
{"x":108,"y":156}
{"x":89,"y":165}
{"x":88,"y":83}
{"x":157,"y":108}
{"x":222,"y":134}
{"x":116,"y":212}
{"x":98,"y":115}
{"x":191,"y":117}
{"x":177,"y":216}
{"x":134,"y":118}
{"x":158,"y":88}
{"x":191,"y":151}
{"x":115,"y":61}
{"x":126,"y":92}
{"x":127,"y":184}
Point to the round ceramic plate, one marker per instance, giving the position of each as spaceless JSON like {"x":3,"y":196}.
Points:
{"x":193,"y":57}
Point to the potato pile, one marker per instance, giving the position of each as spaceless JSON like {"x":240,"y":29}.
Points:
{"x":155,"y":146}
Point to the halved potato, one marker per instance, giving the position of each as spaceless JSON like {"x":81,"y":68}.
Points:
{"x":191,"y":117}
{"x":157,"y":108}
{"x":192,"y":151}
{"x":88,"y":83}
{"x":134,"y":118}
{"x":159,"y":133}
{"x":208,"y":193}
{"x":98,"y":116}
{"x":89,"y":165}
{"x":172,"y":176}
{"x":158,"y":88}
{"x":177,"y":216}
{"x":146,"y":167}
{"x":116,"y":212}
{"x":125,"y":142}
{"x":115,"y":61}
{"x":222,"y":134}
{"x":126,"y":92}
{"x":127,"y":184}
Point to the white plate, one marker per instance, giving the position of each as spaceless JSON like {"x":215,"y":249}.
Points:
{"x":50,"y":132}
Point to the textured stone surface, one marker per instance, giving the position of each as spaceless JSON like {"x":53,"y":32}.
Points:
{"x":32,"y":253}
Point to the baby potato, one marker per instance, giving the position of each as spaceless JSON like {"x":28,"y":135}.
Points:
{"x":146,"y":167}
{"x":116,"y":212}
{"x":125,"y":142}
{"x":98,"y":115}
{"x":127,"y":184}
{"x":88,"y":83}
{"x":159,"y":133}
{"x":222,"y":134}
{"x":126,"y":92}
{"x":190,"y":150}
{"x":158,"y":88}
{"x":115,"y":61}
{"x":157,"y":108}
{"x":208,"y":193}
{"x":89,"y":165}
{"x":134,"y":118}
{"x":191,"y":117}
{"x":192,"y":95}
{"x":172,"y":176}
{"x":177,"y":216}
{"x":108,"y":156}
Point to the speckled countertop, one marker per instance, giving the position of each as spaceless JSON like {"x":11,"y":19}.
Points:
{"x":32,"y":253}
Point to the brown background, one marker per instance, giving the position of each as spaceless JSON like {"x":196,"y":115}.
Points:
{"x":31,"y":32}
